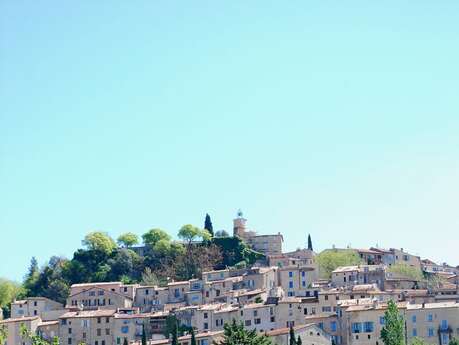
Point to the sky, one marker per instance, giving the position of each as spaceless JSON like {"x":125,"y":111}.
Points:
{"x":334,"y":118}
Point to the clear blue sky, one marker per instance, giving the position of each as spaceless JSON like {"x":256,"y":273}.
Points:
{"x":335,"y":118}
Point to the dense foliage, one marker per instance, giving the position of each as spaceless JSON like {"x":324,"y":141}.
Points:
{"x":406,"y":271}
{"x":331,"y":259}
{"x":162,"y":259}
{"x":8,"y":292}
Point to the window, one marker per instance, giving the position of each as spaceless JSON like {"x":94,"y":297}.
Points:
{"x":99,"y":320}
{"x":290,"y":285}
{"x":125,"y":329}
{"x":69,"y":340}
{"x":257,"y":321}
{"x":415,"y":332}
{"x":70,"y":331}
{"x":103,"y":342}
{"x":413,"y":318}
{"x":248,"y":323}
{"x":303,"y":273}
{"x":326,"y":309}
{"x":356,"y":327}
{"x":430,"y":317}
{"x":205,"y":315}
{"x":107,"y":320}
{"x":321,"y":325}
{"x":368,"y":327}
{"x":303,"y":283}
{"x":333,"y":326}
{"x":255,"y":313}
{"x":101,"y":293}
{"x":430,"y":332}
{"x":273,"y":319}
{"x":99,"y":332}
{"x":382,"y":321}
{"x":107,"y":331}
{"x":290,"y":274}
{"x":444,"y":339}
{"x":118,"y":340}
{"x":444,"y":324}
{"x":326,"y":297}
{"x":146,"y":292}
{"x":206,"y":325}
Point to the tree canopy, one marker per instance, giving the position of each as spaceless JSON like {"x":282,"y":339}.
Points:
{"x":153,"y":236}
{"x":128,"y":239}
{"x":190,"y":233}
{"x":331,"y":259}
{"x":100,"y":241}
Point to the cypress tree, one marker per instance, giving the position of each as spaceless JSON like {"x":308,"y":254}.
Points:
{"x":193,"y":338}
{"x":144,"y":336}
{"x":175,"y":334}
{"x":125,"y":342}
{"x":208,"y":225}
{"x":393,"y":332}
{"x":299,"y":341}
{"x":309,"y":242}
{"x":292,"y":336}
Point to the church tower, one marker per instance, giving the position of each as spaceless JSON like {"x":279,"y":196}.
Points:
{"x":239,"y":225}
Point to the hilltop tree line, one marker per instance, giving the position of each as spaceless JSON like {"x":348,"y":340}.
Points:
{"x":103,"y":258}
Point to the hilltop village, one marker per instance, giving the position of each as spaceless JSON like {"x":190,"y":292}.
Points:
{"x":279,"y":293}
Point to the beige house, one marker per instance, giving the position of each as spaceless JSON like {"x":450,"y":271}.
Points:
{"x":37,"y":306}
{"x":48,"y":329}
{"x":98,"y":298}
{"x":93,"y":327}
{"x":151,"y":298}
{"x":295,"y":280}
{"x":127,"y":290}
{"x":13,"y":326}
{"x":264,"y":278}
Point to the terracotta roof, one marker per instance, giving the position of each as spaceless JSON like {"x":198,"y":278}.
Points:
{"x":88,"y":313}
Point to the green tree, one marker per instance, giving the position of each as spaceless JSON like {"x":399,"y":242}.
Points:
{"x":190,"y":233}
{"x":235,"y":334}
{"x":99,"y":241}
{"x":393,"y":330}
{"x":454,"y":341}
{"x":331,"y":259}
{"x":151,"y":237}
{"x":406,"y":271}
{"x":208,"y":225}
{"x":291,"y":337}
{"x":144,"y":336}
{"x":309,"y":242}
{"x":128,"y":239}
{"x":149,"y":277}
{"x":9,"y":291}
{"x":193,"y":337}
{"x":3,"y":334}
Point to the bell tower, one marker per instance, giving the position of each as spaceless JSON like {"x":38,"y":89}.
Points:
{"x":239,"y":225}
